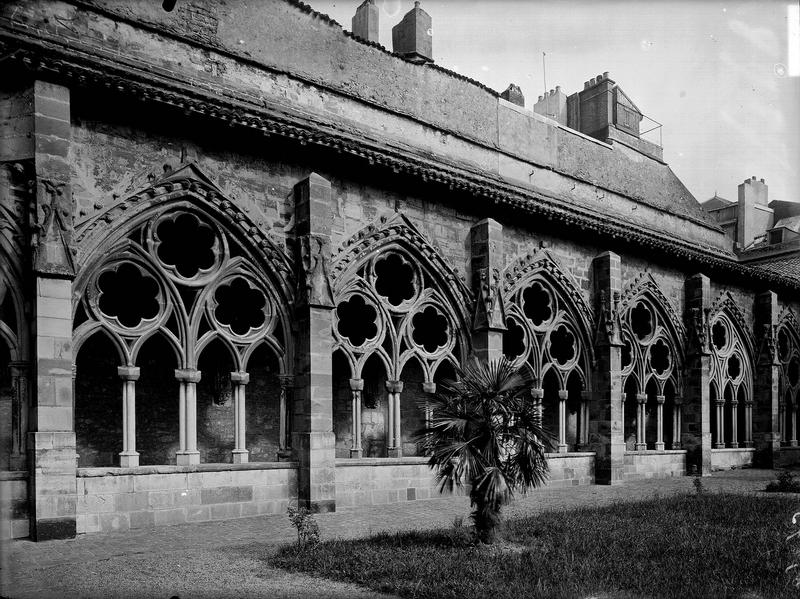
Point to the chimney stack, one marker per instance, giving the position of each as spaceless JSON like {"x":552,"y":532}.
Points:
{"x":514,"y":95}
{"x":365,"y":21}
{"x":553,"y":105}
{"x":412,"y":38}
{"x":754,"y":215}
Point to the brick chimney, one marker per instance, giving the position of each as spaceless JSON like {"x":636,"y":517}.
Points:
{"x":412,"y":38}
{"x":754,"y":215}
{"x":514,"y":95}
{"x":553,"y":105}
{"x":365,"y":21}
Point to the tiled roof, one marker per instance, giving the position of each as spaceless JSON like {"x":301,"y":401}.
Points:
{"x":787,"y":266}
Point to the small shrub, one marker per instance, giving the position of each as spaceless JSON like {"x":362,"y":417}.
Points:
{"x":785,"y":483}
{"x":698,"y":485}
{"x":306,"y":525}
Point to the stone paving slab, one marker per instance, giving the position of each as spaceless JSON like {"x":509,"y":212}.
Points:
{"x":25,"y":565}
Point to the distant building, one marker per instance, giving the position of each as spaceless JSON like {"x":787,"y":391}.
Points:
{"x":240,"y":246}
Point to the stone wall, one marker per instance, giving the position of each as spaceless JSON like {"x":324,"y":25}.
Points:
{"x":570,"y":469}
{"x":377,"y":481}
{"x":652,"y":464}
{"x":14,"y":505}
{"x":129,"y":498}
{"x":729,"y":459}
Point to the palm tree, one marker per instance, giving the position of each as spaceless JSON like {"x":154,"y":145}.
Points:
{"x":485,"y":432}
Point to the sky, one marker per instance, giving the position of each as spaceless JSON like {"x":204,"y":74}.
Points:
{"x":717,"y":75}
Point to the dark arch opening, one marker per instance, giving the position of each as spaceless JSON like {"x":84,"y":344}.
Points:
{"x":215,"y":405}
{"x":727,"y":415}
{"x":6,"y":406}
{"x":412,"y":406}
{"x":651,"y":414}
{"x":573,"y":425}
{"x":157,"y":403}
{"x":263,"y":406}
{"x":342,"y":405}
{"x":374,"y":409}
{"x":551,"y":387}
{"x":712,"y":406}
{"x":669,"y":411}
{"x":629,"y":414}
{"x":98,"y":403}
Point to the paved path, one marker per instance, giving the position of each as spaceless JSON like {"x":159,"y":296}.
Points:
{"x":230,"y":558}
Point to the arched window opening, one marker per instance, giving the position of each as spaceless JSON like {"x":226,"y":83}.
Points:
{"x":263,"y":433}
{"x":651,"y":415}
{"x":216,"y":433}
{"x":550,"y":400}
{"x":187,"y":302}
{"x":98,"y":403}
{"x":375,"y":411}
{"x":157,"y":403}
{"x":6,"y":406}
{"x":412,"y":410}
{"x":630,"y":413}
{"x":714,"y":416}
{"x":343,"y":407}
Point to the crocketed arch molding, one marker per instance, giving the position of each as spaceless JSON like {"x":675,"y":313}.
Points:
{"x":654,"y":338}
{"x":181,"y":260}
{"x":731,"y":348}
{"x":788,"y":354}
{"x":549,"y":322}
{"x":398,"y":299}
{"x":13,"y":329}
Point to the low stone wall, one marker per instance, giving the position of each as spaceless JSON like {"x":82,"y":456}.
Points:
{"x":639,"y":465}
{"x":789,"y":456}
{"x":126,"y":498}
{"x":570,"y":469}
{"x":13,"y":505}
{"x":376,"y":481}
{"x":726,"y":459}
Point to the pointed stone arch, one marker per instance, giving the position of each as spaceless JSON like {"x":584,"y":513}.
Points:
{"x":787,"y":352}
{"x":569,"y":314}
{"x":433,"y":291}
{"x":732,"y":367}
{"x":181,"y":260}
{"x":126,"y":228}
{"x":644,"y":302}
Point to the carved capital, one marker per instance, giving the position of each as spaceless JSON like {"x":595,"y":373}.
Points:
{"x":356,"y":384}
{"x":129,"y":373}
{"x":394,"y":386}
{"x":240,"y":378}
{"x":188,"y":375}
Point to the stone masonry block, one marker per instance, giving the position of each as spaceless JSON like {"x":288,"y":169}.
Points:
{"x":170,"y":516}
{"x":114,"y":522}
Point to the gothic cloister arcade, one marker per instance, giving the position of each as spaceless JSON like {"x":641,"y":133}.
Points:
{"x":180,"y":336}
{"x":731,"y":377}
{"x":653,"y":340}
{"x":788,"y":354}
{"x":399,"y":326}
{"x":549,"y":333}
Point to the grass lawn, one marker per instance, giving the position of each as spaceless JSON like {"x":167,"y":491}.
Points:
{"x":706,"y":545}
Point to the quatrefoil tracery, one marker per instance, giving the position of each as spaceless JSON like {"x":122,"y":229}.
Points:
{"x":542,"y":334}
{"x":730,"y":365}
{"x":156,"y":276}
{"x":649,"y":348}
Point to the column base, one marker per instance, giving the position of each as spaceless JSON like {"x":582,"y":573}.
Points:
{"x":356,"y":453}
{"x":395,"y":452}
{"x":562,"y":448}
{"x":734,"y":445}
{"x":749,"y":444}
{"x":793,"y":443}
{"x":240,"y":456}
{"x":660,"y":446}
{"x":675,"y":446}
{"x":640,"y":447}
{"x":284,"y":455}
{"x":187,"y":458}
{"x":128,"y":459}
{"x":719,"y":445}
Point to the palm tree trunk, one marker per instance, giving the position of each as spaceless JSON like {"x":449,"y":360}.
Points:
{"x":485,"y":516}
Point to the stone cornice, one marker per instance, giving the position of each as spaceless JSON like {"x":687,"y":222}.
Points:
{"x":53,"y":60}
